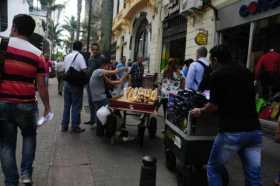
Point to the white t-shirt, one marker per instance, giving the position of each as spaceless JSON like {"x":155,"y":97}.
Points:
{"x":79,"y":64}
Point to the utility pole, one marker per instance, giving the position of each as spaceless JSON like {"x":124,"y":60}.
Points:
{"x":89,"y":24}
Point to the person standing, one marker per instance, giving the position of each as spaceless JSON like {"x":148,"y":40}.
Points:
{"x":93,"y":64}
{"x":23,"y":65}
{"x":59,"y":68}
{"x":73,"y":94}
{"x":136,"y":73}
{"x":97,"y":85}
{"x":197,"y":69}
{"x":232,"y":96}
{"x":267,"y":73}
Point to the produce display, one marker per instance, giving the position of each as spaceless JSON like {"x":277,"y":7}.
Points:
{"x":141,"y":95}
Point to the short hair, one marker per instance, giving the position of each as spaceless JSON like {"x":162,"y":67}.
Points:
{"x":77,"y":45}
{"x":202,"y":52}
{"x":188,"y":61}
{"x":95,"y":44}
{"x":221,"y":53}
{"x":24,"y":24}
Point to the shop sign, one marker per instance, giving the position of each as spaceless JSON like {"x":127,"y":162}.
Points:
{"x":172,"y":7}
{"x":256,"y":7}
{"x":201,"y":38}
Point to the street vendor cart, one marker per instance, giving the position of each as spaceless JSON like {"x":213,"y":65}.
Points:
{"x":188,"y":142}
{"x":141,"y":107}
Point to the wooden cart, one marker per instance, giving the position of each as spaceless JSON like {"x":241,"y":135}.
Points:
{"x":132,"y":108}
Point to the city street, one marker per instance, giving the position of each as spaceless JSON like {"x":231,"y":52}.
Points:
{"x":65,"y":159}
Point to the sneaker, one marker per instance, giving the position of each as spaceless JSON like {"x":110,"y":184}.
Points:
{"x":25,"y":179}
{"x":89,"y":123}
{"x":64,"y":129}
{"x":78,"y":130}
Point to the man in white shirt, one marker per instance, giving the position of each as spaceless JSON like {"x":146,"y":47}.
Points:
{"x":196,"y":69}
{"x":73,"y":94}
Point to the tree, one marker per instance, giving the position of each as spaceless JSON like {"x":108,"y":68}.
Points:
{"x":55,"y":35}
{"x":79,"y":10}
{"x":106,"y":27}
{"x":70,"y":26}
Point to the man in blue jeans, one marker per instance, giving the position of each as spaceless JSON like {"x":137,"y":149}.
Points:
{"x":23,"y":65}
{"x":232,"y":96}
{"x":73,"y":94}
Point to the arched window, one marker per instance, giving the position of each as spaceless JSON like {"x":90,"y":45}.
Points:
{"x":141,"y":40}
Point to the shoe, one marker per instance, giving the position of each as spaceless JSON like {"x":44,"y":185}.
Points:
{"x":78,"y":130}
{"x":89,"y":123}
{"x":64,"y":129}
{"x":60,"y":93}
{"x":25,"y":179}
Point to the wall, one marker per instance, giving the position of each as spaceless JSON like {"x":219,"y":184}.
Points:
{"x":15,"y":7}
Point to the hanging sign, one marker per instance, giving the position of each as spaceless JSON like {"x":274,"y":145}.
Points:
{"x":259,"y":6}
{"x":201,"y":38}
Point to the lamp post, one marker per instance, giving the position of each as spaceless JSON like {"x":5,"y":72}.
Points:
{"x":89,"y":24}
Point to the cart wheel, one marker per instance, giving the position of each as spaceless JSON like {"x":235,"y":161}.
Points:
{"x":170,"y":160}
{"x":225,"y":178}
{"x":184,"y":177}
{"x":152,"y":127}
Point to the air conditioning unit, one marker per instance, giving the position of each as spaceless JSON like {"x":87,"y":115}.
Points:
{"x":190,"y":5}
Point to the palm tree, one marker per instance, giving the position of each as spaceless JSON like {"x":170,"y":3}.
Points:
{"x":55,"y":35}
{"x":79,"y":10}
{"x":70,"y":26}
{"x":106,"y":27}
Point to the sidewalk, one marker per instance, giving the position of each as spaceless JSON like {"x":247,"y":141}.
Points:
{"x":65,"y":159}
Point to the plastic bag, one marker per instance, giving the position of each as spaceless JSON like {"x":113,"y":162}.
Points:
{"x":102,"y":114}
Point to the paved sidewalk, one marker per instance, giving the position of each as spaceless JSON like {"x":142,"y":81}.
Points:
{"x":66,"y":159}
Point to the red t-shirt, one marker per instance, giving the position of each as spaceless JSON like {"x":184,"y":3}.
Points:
{"x":270,"y":62}
{"x":22,"y":64}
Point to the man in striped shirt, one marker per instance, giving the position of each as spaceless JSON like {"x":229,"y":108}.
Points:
{"x":23,"y":66}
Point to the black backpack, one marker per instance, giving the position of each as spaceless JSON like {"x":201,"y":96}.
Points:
{"x":3,"y":50}
{"x":205,"y":82}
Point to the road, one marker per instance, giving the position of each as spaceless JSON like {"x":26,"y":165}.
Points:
{"x":66,"y":159}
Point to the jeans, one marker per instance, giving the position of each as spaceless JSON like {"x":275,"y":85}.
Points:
{"x":91,"y":107}
{"x":26,"y":120}
{"x":248,"y":147}
{"x":73,"y":101}
{"x":97,"y":105}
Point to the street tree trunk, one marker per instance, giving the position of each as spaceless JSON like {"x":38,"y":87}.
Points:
{"x":106,"y":26}
{"x":79,"y":10}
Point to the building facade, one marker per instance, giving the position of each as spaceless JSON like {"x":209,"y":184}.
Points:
{"x":137,"y":31}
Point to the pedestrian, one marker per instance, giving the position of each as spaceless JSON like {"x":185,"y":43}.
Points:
{"x":171,"y":83}
{"x":137,"y":73}
{"x":97,"y":85}
{"x":267,"y":73}
{"x":185,"y":70}
{"x":60,"y":68}
{"x":92,"y":66}
{"x":197,"y":69}
{"x":23,"y":65}
{"x":73,"y":94}
{"x":232,"y":97}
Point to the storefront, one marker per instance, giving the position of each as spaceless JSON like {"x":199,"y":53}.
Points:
{"x":174,"y":34}
{"x":251,"y":29}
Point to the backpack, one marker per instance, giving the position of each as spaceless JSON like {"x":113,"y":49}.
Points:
{"x":205,"y":82}
{"x":3,"y":50}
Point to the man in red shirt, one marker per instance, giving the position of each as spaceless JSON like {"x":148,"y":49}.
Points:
{"x":23,"y":66}
{"x":267,"y":72}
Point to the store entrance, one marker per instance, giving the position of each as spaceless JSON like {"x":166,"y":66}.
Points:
{"x":177,"y":49}
{"x":237,"y":39}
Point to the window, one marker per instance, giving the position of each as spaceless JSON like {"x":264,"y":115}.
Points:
{"x":3,"y":15}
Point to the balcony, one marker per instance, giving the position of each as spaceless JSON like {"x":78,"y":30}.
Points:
{"x":124,"y":17}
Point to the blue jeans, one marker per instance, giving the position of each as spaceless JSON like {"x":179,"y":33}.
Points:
{"x":91,"y":107}
{"x":248,"y":147}
{"x":73,"y":102}
{"x":26,"y":120}
{"x":97,"y":105}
